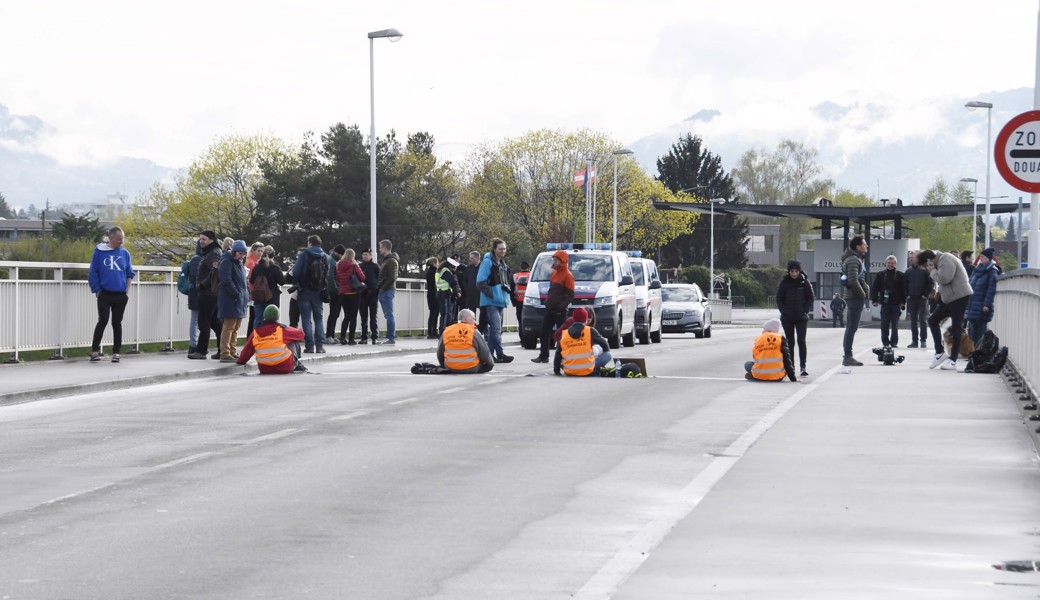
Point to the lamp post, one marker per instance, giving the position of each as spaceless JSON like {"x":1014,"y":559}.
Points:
{"x":711,"y":248}
{"x":617,"y":153}
{"x":989,"y":125}
{"x":974,"y":219}
{"x":393,"y":35}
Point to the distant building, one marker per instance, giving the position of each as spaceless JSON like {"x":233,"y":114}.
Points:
{"x":763,"y":245}
{"x":108,"y":210}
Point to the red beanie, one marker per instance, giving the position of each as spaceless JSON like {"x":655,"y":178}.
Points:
{"x":580,"y":315}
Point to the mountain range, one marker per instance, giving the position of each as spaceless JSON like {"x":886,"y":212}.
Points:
{"x":895,"y":165}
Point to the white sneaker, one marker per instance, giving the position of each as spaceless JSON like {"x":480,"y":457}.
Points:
{"x":949,"y":365}
{"x":938,"y":360}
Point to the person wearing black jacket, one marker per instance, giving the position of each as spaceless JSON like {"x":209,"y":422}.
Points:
{"x":794,"y":298}
{"x":471,"y":293}
{"x":919,"y":287}
{"x":889,"y":292}
{"x":369,"y":301}
{"x":432,"y":304}
{"x":206,"y":283}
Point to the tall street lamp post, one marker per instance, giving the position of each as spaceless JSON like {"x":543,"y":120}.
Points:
{"x":393,"y":35}
{"x":711,"y":249}
{"x":617,"y":153}
{"x":974,"y":218}
{"x":989,"y":125}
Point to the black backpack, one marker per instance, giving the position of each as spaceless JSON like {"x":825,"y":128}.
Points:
{"x":314,"y":277}
{"x":988,"y":356}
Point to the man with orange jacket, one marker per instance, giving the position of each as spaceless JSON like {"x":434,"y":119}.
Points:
{"x":772,"y":356}
{"x":277,"y":347}
{"x":557,"y":300}
{"x":462,"y":349}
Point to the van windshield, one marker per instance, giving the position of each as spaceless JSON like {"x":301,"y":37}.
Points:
{"x":584,"y":267}
{"x":637,"y":273}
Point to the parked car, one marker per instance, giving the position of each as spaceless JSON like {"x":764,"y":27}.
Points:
{"x":685,"y":309}
{"x":648,"y":298}
{"x":603,"y":284}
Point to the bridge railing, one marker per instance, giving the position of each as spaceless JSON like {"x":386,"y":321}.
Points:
{"x":1016,"y":321}
{"x":49,"y":306}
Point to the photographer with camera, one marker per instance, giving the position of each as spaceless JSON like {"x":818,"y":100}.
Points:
{"x":889,"y":292}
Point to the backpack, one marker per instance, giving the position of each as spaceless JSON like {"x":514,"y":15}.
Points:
{"x":985,"y":357}
{"x":995,"y":364}
{"x":261,"y":289}
{"x":317,"y":271}
{"x":184,"y":283}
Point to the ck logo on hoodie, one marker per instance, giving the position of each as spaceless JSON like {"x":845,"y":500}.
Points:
{"x":112,"y":262}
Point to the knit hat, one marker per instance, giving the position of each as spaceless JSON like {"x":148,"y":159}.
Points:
{"x":772,"y":325}
{"x":271,"y":313}
{"x":239,"y":246}
{"x":794,"y":264}
{"x":988,"y":253}
{"x":580,"y":315}
{"x":208,"y":234}
{"x":339,"y":249}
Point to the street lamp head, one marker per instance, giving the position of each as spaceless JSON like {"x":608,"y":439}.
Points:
{"x":969,"y":180}
{"x":977,"y":104}
{"x":393,"y":34}
{"x":623,"y":151}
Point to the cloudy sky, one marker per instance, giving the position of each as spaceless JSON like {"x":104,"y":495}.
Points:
{"x":162,"y":80}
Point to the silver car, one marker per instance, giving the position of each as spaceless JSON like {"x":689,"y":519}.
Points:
{"x":685,"y":309}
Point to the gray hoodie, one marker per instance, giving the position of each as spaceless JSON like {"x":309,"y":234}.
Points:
{"x":950,"y":277}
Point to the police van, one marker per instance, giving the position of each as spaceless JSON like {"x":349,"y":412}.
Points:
{"x":603,"y":284}
{"x":648,"y":297}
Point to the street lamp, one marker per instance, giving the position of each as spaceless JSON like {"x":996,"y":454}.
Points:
{"x":711,"y":249}
{"x":617,"y":153}
{"x":393,"y":35}
{"x":989,"y":123}
{"x":974,"y":219}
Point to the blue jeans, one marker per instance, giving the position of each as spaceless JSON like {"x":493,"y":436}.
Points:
{"x":494,"y":314}
{"x":854,"y":308}
{"x":386,"y":302}
{"x":258,"y":309}
{"x":977,"y":327}
{"x":917,"y":308}
{"x":311,"y":312}
{"x":603,"y":360}
{"x":447,"y":310}
{"x":193,"y":329}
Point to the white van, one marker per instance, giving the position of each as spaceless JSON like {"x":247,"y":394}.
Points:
{"x":648,"y":298}
{"x":603,"y":284}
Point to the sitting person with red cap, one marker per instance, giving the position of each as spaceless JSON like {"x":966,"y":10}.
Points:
{"x":772,"y":356}
{"x":277,"y":347}
{"x":582,"y":351}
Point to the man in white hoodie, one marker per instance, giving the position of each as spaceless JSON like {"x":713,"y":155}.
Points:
{"x":952,"y":294}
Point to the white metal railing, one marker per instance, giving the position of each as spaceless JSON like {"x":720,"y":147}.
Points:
{"x":1016,"y":313}
{"x":721,"y":310}
{"x":58,"y":312}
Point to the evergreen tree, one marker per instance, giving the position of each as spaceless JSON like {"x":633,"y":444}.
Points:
{"x":5,"y":209}
{"x":1011,"y":235}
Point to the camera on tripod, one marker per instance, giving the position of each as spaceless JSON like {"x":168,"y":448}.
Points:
{"x":888,"y":356}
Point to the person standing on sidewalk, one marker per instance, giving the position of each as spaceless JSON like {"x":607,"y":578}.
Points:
{"x":232,"y":299}
{"x":557,"y":300}
{"x":854,"y":275}
{"x":519,"y":290}
{"x":349,"y":296}
{"x":268,"y":275}
{"x":369,"y":300}
{"x":206,"y":282}
{"x":109,"y":278}
{"x":388,"y":270}
{"x":919,"y":287}
{"x":794,"y":298}
{"x":432,"y":304}
{"x":495,"y":292}
{"x":311,"y":273}
{"x":889,"y":291}
{"x":335,"y":300}
{"x":951,"y":294}
{"x":837,"y":311}
{"x":471,"y":293}
{"x":983,"y":287}
{"x":448,"y":293}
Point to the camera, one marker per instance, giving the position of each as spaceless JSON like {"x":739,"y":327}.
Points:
{"x":888,"y":356}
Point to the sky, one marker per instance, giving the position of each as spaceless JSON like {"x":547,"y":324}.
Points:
{"x":162,"y":81}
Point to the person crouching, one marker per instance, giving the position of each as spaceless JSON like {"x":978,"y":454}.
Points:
{"x":772,"y":356}
{"x":462,"y":349}
{"x":576,"y":354}
{"x":277,"y":346}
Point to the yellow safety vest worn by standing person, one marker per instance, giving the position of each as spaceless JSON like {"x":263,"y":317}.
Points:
{"x":578,"y":357}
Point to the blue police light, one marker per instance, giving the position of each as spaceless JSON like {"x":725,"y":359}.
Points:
{"x":577,"y":246}
{"x":634,"y":253}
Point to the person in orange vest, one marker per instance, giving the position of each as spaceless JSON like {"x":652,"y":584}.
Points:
{"x":277,"y":347}
{"x":518,"y":293}
{"x":772,"y":356}
{"x":462,"y":349}
{"x":582,"y":351}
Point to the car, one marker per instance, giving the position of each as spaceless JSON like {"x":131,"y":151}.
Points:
{"x":648,"y":298}
{"x":685,"y":309}
{"x":603,"y":284}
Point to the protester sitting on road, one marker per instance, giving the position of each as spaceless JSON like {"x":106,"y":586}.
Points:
{"x":772,"y":356}
{"x":462,"y":349}
{"x":277,"y":346}
{"x":575,"y":354}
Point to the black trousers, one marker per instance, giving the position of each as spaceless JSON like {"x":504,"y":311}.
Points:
{"x":113,"y":303}
{"x":350,"y":304}
{"x":955,"y":312}
{"x":551,"y":320}
{"x":294,"y":312}
{"x":890,"y":324}
{"x":335,"y":304}
{"x":435,"y":311}
{"x":795,"y":330}
{"x":369,"y":308}
{"x":917,"y":309}
{"x":207,"y":321}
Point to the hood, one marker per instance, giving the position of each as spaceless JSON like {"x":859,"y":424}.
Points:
{"x":315,"y":250}
{"x":848,"y":252}
{"x":575,"y":329}
{"x":563,"y":256}
{"x":104,"y":247}
{"x":392,"y":255}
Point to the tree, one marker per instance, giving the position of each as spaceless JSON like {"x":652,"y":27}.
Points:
{"x":788,"y":176}
{"x":74,"y":227}
{"x":1011,"y":235}
{"x":5,"y":210}
{"x":944,"y":233}
{"x":690,"y":168}
{"x":32,"y":212}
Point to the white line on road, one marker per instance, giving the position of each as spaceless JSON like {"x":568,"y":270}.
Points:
{"x":350,"y":415}
{"x":698,"y":378}
{"x":405,"y":401}
{"x":183,"y":461}
{"x":274,"y":436}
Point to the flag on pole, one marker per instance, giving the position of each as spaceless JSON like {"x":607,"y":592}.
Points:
{"x":579,"y":178}
{"x":592,"y":172}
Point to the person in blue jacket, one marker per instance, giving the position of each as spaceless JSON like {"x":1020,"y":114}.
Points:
{"x":232,"y":299}
{"x":493,"y":281}
{"x":109,"y":278}
{"x":983,"y":287}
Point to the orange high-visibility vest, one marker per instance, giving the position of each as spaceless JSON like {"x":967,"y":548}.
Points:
{"x":520,"y":290}
{"x":578,"y":357}
{"x":459,"y":352}
{"x":769,"y":357}
{"x":270,"y":349}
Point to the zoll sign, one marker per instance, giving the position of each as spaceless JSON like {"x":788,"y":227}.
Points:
{"x":1017,"y":152}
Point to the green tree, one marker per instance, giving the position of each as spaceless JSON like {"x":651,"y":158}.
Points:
{"x":5,"y":209}
{"x":73,"y":227}
{"x":943,"y":233}
{"x":789,"y":176}
{"x":1011,"y":235}
{"x":688,"y":167}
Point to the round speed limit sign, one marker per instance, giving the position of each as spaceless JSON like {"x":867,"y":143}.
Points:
{"x":1017,"y":152}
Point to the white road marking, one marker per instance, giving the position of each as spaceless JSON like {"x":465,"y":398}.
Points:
{"x":183,"y":461}
{"x":405,"y":401}
{"x":351,"y":415}
{"x":274,"y":436}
